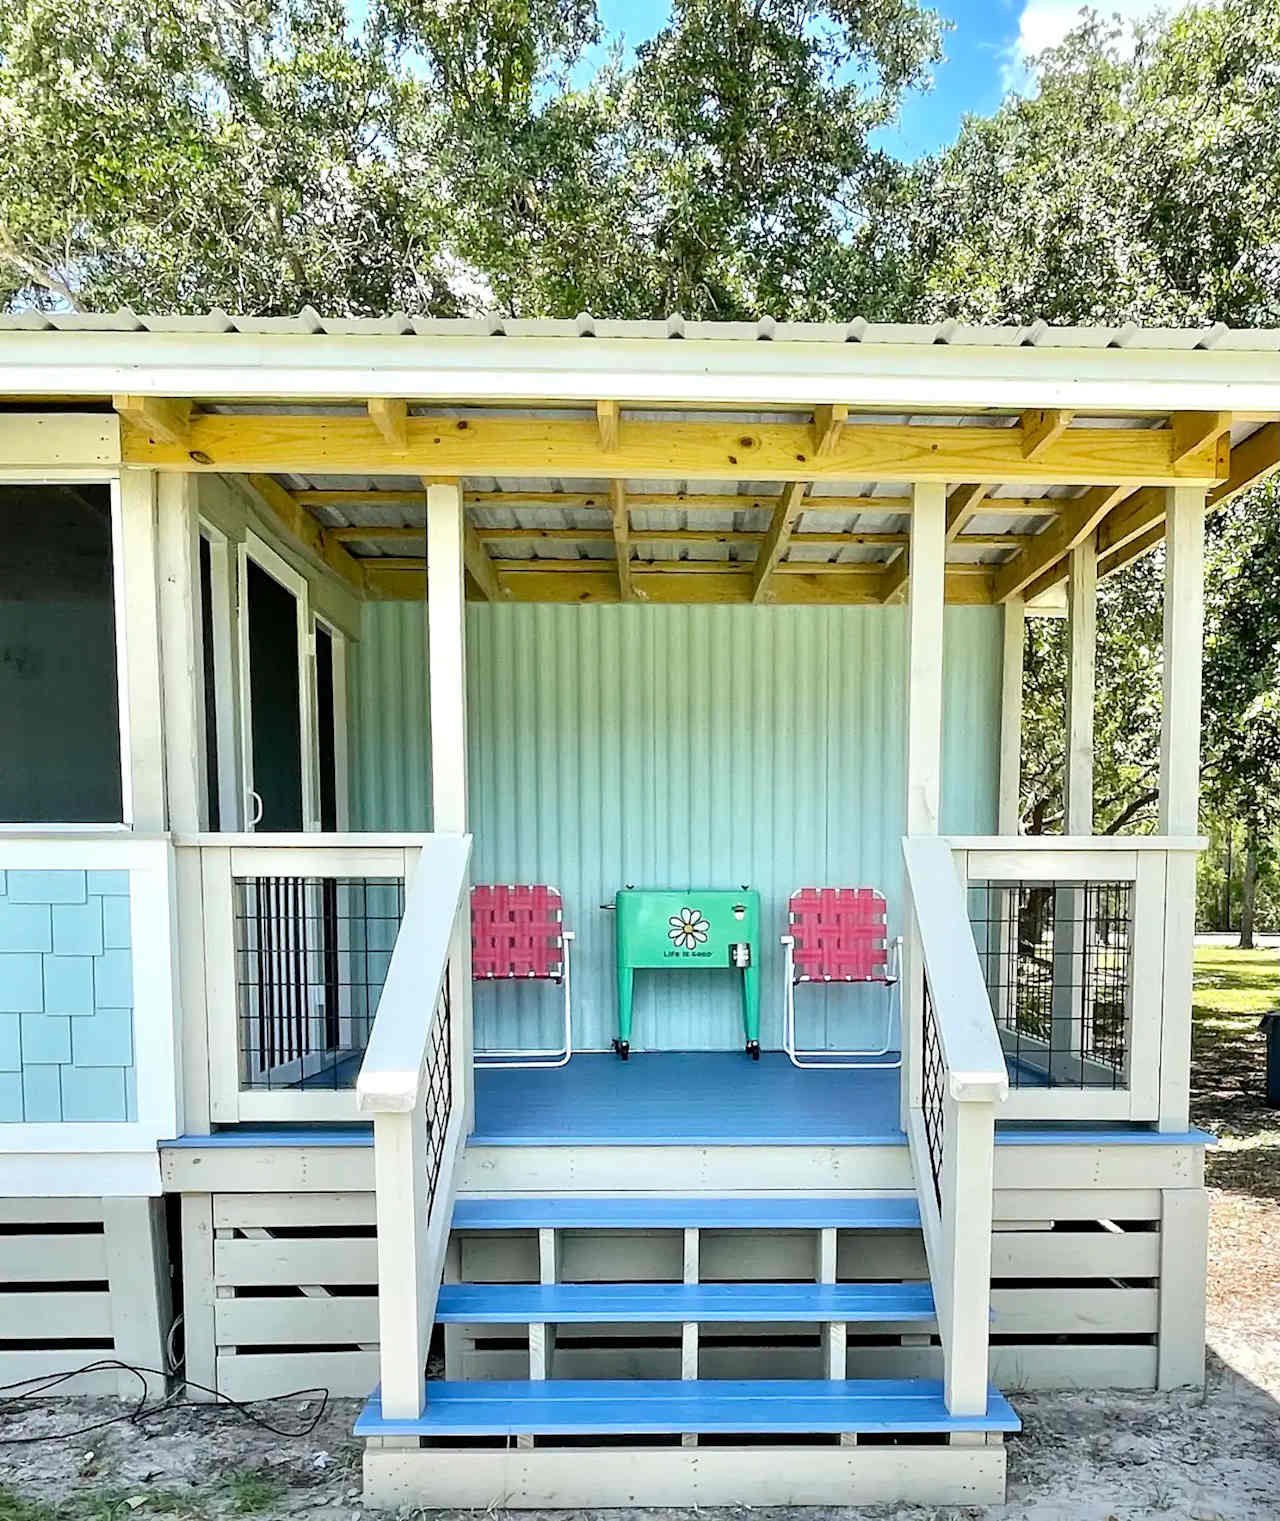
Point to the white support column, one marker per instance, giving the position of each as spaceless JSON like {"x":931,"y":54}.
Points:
{"x":927,"y":550}
{"x":964,"y":1313}
{"x":406,"y":1298}
{"x":1184,"y":1250}
{"x":447,"y":657}
{"x":182,"y":670}
{"x":1082,"y":634}
{"x":142,"y":697}
{"x":1015,"y":628}
{"x":1180,"y":783}
{"x":446,"y":651}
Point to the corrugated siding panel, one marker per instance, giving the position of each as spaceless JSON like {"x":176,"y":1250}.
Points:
{"x":678,"y":746}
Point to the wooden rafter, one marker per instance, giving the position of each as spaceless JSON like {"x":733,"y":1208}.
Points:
{"x":168,"y":422}
{"x":667,"y":501}
{"x":298,"y":524}
{"x":607,"y":425}
{"x":962,"y":503}
{"x":894,"y":576}
{"x":622,"y":539}
{"x":391,"y":418}
{"x":675,"y":450}
{"x":827,"y":423}
{"x":1193,"y":430}
{"x":1079,"y":519}
{"x":379,"y":533}
{"x":596,"y":581}
{"x":1041,"y":430}
{"x":790,"y":505}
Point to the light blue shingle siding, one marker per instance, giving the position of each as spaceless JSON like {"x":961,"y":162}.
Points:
{"x":66,"y":998}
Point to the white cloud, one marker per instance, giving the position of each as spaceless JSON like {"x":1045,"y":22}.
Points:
{"x":1044,"y":23}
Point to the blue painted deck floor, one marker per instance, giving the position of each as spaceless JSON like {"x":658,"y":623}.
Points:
{"x":568,"y":1407}
{"x":689,"y":1098}
{"x":774,"y":1212}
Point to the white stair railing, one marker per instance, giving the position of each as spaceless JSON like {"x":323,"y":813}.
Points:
{"x":959,"y":1079}
{"x":416,"y":1084}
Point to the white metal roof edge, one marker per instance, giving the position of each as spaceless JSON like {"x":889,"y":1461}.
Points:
{"x":903,"y":375}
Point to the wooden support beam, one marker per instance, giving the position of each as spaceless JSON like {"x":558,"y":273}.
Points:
{"x":537,"y":446}
{"x":962,"y":503}
{"x":893,"y":579}
{"x":667,"y":501}
{"x":1078,"y":522}
{"x":165,"y":421}
{"x":1193,"y":430}
{"x":622,"y":539}
{"x":381,"y":533}
{"x":1041,"y":430}
{"x":299,"y":525}
{"x":1127,"y":537}
{"x":607,"y":425}
{"x":827,"y":423}
{"x":474,"y":556}
{"x":391,"y":418}
{"x":790,"y":505}
{"x":597,"y":581}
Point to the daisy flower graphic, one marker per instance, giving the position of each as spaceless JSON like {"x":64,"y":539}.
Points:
{"x":688,"y":929}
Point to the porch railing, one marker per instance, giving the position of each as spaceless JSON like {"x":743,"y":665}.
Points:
{"x":957,"y":1080}
{"x":1081,"y":944}
{"x":415,"y":1083}
{"x":287,"y":946}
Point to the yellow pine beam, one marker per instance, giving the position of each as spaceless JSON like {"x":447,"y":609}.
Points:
{"x":622,"y":539}
{"x":962,"y":503}
{"x":1192,"y":430}
{"x":391,"y":419}
{"x":537,"y":446}
{"x":827,"y":424}
{"x":1080,"y":518}
{"x":299,"y":525}
{"x":607,"y":425}
{"x":1041,"y":430}
{"x":166,"y":421}
{"x":790,"y":505}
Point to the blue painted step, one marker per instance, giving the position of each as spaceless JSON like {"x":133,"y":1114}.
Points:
{"x":615,"y":1303}
{"x":752,"y":1212}
{"x":571,"y":1407}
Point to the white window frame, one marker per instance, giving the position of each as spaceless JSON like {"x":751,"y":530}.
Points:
{"x":110,"y":479}
{"x":341,"y":779}
{"x":227,"y":781}
{"x":260,"y":552}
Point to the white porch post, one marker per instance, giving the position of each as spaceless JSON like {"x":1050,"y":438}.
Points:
{"x":141,"y":697}
{"x":927,"y":550}
{"x":1069,"y":929}
{"x":1015,"y":628}
{"x":447,"y":662}
{"x":1180,"y":784}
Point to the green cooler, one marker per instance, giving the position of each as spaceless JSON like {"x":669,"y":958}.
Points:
{"x":709,"y":928}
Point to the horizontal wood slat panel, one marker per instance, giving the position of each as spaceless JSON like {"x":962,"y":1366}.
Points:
{"x":324,"y":1319}
{"x":267,"y":1210}
{"x":269,"y":1263}
{"x":1075,"y":1254}
{"x":1023,"y":1312}
{"x":44,"y":1316}
{"x":52,"y":1259}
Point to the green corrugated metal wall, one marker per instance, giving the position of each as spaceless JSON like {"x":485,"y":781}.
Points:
{"x":676,"y":746}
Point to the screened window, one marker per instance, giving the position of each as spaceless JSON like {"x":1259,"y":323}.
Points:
{"x":59,"y":691}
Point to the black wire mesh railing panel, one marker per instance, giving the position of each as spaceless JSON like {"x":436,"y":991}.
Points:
{"x":932,"y":1089}
{"x":1057,"y":958}
{"x":312,"y":954}
{"x":439,"y":1087}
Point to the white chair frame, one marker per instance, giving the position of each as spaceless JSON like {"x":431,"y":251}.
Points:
{"x":549,"y":1058}
{"x":865,"y":1059}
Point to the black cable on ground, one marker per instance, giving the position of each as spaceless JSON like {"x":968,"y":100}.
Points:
{"x":14,"y":1396}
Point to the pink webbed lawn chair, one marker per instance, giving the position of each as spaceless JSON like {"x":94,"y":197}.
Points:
{"x":518,"y":934}
{"x":838,"y":934}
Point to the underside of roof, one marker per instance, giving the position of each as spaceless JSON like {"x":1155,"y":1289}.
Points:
{"x":593,"y":469}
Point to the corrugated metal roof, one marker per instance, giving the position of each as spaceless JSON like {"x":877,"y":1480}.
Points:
{"x":1038,"y":334}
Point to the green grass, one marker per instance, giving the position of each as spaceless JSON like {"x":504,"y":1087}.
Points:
{"x":1228,"y":1066}
{"x":15,"y":1508}
{"x":252,"y":1490}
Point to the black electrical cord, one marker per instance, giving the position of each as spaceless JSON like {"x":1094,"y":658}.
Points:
{"x":143,"y":1409}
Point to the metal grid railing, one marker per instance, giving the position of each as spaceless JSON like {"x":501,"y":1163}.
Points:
{"x":439,"y":1087}
{"x":931,"y":1093}
{"x":312,"y":954}
{"x":1057,"y":958}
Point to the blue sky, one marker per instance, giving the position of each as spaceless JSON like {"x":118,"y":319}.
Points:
{"x":985,"y":51}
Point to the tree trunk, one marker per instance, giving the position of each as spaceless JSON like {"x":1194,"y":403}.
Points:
{"x":1226,"y":906}
{"x":1249,"y":894}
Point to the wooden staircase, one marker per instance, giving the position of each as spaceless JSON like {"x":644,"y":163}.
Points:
{"x":834,"y":1440}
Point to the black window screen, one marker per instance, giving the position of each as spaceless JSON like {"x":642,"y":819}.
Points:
{"x":59,"y":697}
